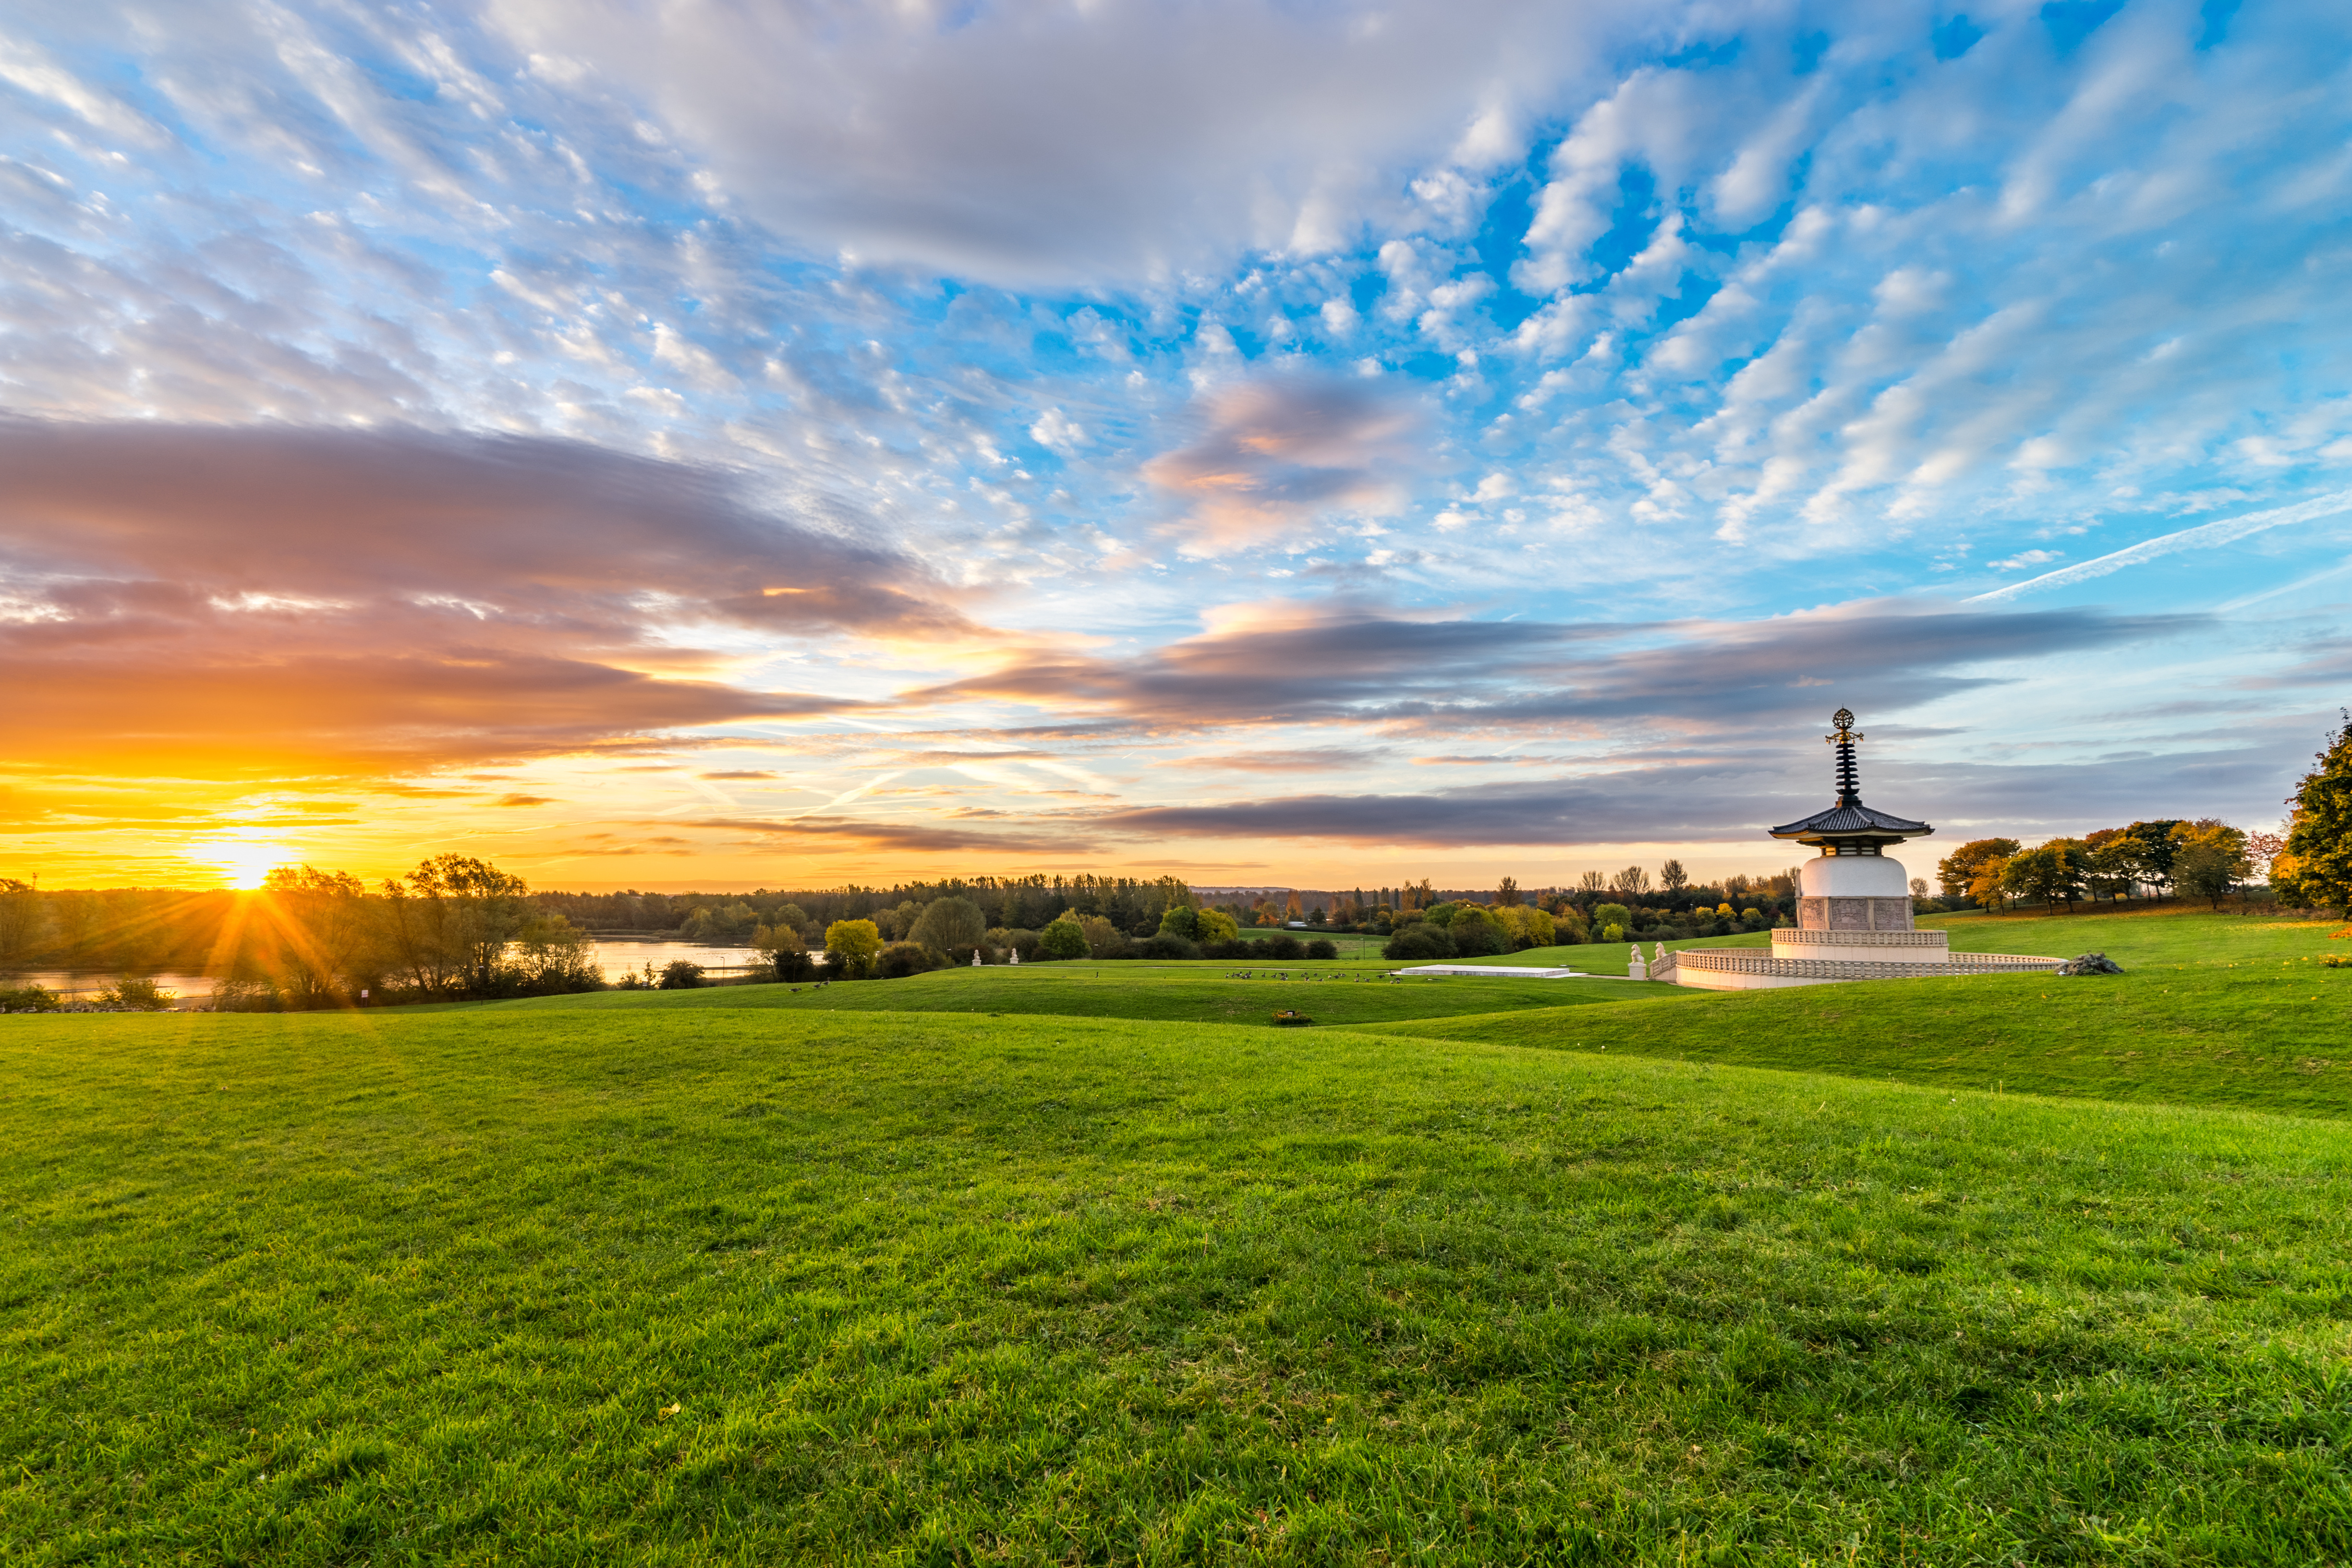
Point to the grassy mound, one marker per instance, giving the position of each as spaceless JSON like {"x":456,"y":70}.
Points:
{"x":2212,"y":1011}
{"x":686,"y":1282}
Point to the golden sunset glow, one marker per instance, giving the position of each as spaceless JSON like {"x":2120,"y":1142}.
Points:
{"x":240,"y":863}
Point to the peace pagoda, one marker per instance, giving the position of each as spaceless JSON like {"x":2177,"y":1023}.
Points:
{"x":1853,"y":907}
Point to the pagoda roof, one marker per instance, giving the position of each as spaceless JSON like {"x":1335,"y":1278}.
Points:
{"x":1852,"y":820}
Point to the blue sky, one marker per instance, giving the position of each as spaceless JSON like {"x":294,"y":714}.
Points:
{"x":710,"y":444}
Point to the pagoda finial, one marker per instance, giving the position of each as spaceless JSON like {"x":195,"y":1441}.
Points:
{"x":1849,"y":780}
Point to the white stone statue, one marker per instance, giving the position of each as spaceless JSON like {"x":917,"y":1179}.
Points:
{"x":1016,"y":956}
{"x":975,"y":957}
{"x":1634,"y":968}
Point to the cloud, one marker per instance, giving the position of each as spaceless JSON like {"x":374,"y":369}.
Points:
{"x":1283,"y":664}
{"x":1730,"y":804}
{"x":1287,"y":451}
{"x":317,"y":598}
{"x":1038,"y":143}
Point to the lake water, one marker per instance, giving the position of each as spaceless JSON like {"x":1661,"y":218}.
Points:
{"x":615,"y":957}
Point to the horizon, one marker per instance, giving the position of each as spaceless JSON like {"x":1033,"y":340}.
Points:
{"x":847,"y":445}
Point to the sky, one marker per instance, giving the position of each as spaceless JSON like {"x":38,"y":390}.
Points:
{"x":716,"y":444}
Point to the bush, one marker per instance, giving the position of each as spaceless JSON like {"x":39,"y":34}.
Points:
{"x":902,"y":959}
{"x":1419,"y":940}
{"x":792,"y":964}
{"x":1167,"y":945}
{"x":1065,"y":938}
{"x":1231,"y":947}
{"x":1476,"y":934}
{"x":1181,"y":921}
{"x":139,"y":996}
{"x":1605,"y":916}
{"x":29,"y":1000}
{"x":680,"y":974}
{"x":1281,"y":948}
{"x":1319,"y":948}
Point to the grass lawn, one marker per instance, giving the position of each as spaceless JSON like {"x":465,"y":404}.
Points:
{"x":1332,"y":992}
{"x":679,"y":1282}
{"x":2212,"y":1011}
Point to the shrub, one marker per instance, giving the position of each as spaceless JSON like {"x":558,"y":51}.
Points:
{"x":1215,"y":925}
{"x":900,"y":959}
{"x":1065,"y":938}
{"x":139,"y":996}
{"x":1231,"y":947}
{"x":1605,"y":916}
{"x":29,"y":1000}
{"x":1419,"y":940}
{"x":1319,"y":948}
{"x":1104,"y":940}
{"x":1167,"y":945}
{"x":1476,"y":934}
{"x":1281,"y":948}
{"x":792,"y":964}
{"x":1613,"y":932}
{"x":680,"y":974}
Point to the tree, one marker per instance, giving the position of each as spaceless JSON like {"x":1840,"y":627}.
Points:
{"x":1507,"y":892}
{"x":319,"y":920}
{"x":2314,"y":867}
{"x":2051,"y":873}
{"x":851,"y":947}
{"x":1960,"y":869}
{"x":1476,"y":933}
{"x":1181,"y":920}
{"x":20,"y":919}
{"x":1215,"y":925}
{"x":2206,"y":869}
{"x":2150,"y":857}
{"x":1593,"y":882}
{"x":1105,"y":940}
{"x":2110,"y":862}
{"x":1632,"y":879}
{"x":1064,"y":938}
{"x":1419,"y":941}
{"x":451,"y":922}
{"x":557,"y":956}
{"x":1608,"y":918}
{"x":681,"y":974}
{"x":1673,"y":877}
{"x":947,"y":923}
{"x":1991,"y":887}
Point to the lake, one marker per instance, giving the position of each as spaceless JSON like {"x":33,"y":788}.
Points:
{"x":615,"y":957}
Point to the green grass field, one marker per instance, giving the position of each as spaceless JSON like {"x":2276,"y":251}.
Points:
{"x":734,"y":1276}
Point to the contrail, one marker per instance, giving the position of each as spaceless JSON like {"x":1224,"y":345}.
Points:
{"x":2197,"y":538}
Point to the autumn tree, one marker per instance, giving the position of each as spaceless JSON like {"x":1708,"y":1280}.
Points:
{"x":2051,"y":873}
{"x":1632,"y":880}
{"x":2315,"y":866}
{"x":1506,"y":893}
{"x":1673,"y":877}
{"x":850,"y":948}
{"x":1959,"y":871}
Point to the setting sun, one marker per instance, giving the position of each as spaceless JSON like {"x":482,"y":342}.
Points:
{"x":243,"y":864}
